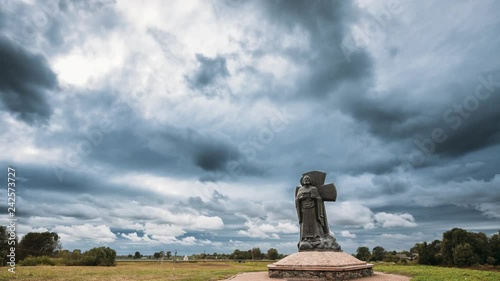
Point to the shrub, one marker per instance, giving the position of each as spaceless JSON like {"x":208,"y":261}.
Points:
{"x":102,"y":256}
{"x":43,"y":260}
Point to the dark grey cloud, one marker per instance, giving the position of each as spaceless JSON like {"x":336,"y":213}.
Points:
{"x":41,"y":179}
{"x":25,"y":80}
{"x":208,"y":71}
{"x":326,"y":23}
{"x":397,"y":119}
{"x":345,"y":85}
{"x":208,"y":151}
{"x":159,"y":149}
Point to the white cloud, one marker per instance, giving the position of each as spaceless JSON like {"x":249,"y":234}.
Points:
{"x":188,"y":241}
{"x":491,"y":210}
{"x":397,"y":236}
{"x":388,"y":220}
{"x":266,"y":230}
{"x":349,"y":213}
{"x":164,"y":234}
{"x":357,"y":215}
{"x":18,"y":143}
{"x":208,"y":242}
{"x":100,"y":233}
{"x":347,"y":234}
{"x":191,"y":221}
{"x":133,"y":236}
{"x":163,"y":230}
{"x":89,"y":63}
{"x":287,"y":227}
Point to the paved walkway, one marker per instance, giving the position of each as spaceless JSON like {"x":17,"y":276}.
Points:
{"x":262,"y":276}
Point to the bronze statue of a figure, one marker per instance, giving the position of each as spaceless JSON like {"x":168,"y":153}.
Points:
{"x":309,"y":202}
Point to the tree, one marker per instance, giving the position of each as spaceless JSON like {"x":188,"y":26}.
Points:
{"x":76,"y":254}
{"x":157,"y":255}
{"x":256,"y":253}
{"x":455,"y":237}
{"x":363,"y":253}
{"x":451,"y":239}
{"x":463,"y":255}
{"x":4,"y":245}
{"x":378,"y":253}
{"x":38,"y":244}
{"x":137,"y":255}
{"x":101,"y":256}
{"x":241,"y":255}
{"x":169,"y":254}
{"x":429,"y":253}
{"x":494,"y":245}
{"x":64,"y":254}
{"x":479,"y":243}
{"x":272,"y":254}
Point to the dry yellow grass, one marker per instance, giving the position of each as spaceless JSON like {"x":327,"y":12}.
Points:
{"x":135,"y":271}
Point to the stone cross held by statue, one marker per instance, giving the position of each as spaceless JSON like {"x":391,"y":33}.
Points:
{"x":328,"y":192}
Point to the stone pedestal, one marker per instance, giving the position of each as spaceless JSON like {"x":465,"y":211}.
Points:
{"x":330,"y":266}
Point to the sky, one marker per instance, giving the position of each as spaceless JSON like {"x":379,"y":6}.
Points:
{"x":186,"y":125}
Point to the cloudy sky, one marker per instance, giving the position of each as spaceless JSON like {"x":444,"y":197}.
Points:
{"x":186,"y":125}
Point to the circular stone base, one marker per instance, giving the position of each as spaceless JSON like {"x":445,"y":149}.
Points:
{"x":331,"y":266}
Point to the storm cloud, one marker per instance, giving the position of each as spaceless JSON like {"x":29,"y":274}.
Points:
{"x":26,"y":80}
{"x":138,"y":126}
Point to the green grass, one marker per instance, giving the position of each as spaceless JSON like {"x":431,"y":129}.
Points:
{"x":435,"y":273}
{"x":214,"y":270}
{"x":140,"y":271}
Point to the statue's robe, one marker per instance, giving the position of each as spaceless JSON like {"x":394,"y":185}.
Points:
{"x":311,"y":213}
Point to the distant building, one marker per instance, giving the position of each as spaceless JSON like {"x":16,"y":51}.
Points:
{"x":185,"y":258}
{"x":402,"y":256}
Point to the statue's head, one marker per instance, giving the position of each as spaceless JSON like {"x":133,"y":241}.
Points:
{"x":306,"y":180}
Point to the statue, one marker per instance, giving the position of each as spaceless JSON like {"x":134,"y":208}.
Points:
{"x":309,"y":201}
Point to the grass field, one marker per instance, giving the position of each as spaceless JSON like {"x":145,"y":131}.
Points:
{"x":135,"y":271}
{"x":435,"y":273}
{"x":207,"y":271}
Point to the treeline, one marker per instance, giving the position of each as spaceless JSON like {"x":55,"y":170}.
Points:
{"x":380,"y":254}
{"x":256,"y":254}
{"x":460,"y":248}
{"x":43,"y":248}
{"x":457,"y":248}
{"x":252,"y":254}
